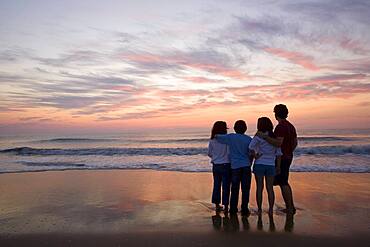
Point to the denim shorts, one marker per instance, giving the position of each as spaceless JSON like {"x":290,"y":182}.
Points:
{"x":263,"y":170}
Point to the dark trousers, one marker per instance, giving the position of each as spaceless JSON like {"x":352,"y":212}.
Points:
{"x":221,"y":177}
{"x":240,"y":177}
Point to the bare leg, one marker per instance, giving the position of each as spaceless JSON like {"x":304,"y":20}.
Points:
{"x":270,"y":193}
{"x":259,"y":185}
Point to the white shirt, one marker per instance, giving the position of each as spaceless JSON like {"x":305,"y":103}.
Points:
{"x":219,"y":153}
{"x":267,"y":151}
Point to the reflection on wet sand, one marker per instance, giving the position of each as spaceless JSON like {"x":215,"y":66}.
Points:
{"x":289,"y":223}
{"x":230,"y":223}
{"x":142,"y":201}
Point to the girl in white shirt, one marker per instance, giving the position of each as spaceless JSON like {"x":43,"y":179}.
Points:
{"x":266,"y":158}
{"x":219,"y":154}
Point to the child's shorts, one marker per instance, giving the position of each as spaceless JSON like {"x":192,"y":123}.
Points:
{"x":263,"y":170}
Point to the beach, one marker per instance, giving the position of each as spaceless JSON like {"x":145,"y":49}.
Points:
{"x":163,"y":208}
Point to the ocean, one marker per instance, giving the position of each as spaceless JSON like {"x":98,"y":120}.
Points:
{"x":186,"y":151}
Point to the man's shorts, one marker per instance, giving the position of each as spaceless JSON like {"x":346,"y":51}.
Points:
{"x":282,"y":177}
{"x":263,"y":170}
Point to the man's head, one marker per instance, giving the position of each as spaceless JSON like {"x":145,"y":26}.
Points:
{"x":281,"y":111}
{"x":240,"y":127}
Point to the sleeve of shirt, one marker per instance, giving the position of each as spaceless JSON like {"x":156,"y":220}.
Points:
{"x":210,"y":149}
{"x":224,"y":139}
{"x":279,"y":131}
{"x":253,"y":145}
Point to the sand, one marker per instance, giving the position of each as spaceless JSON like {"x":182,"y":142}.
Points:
{"x":157,"y":208}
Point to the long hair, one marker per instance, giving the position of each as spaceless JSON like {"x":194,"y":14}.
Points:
{"x":264,"y":124}
{"x":219,"y":128}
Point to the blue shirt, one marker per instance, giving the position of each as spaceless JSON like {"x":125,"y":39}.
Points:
{"x":238,"y":148}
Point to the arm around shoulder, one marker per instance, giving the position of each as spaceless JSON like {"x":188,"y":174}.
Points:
{"x":222,"y":138}
{"x":276,"y":142}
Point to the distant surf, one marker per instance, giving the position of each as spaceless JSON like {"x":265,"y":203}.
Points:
{"x":62,"y":166}
{"x":326,"y":151}
{"x":339,"y":150}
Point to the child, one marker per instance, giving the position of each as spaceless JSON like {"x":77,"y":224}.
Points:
{"x":238,"y":144}
{"x":264,"y":165}
{"x":219,"y":154}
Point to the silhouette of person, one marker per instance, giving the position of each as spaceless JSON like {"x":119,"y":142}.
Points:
{"x":286,"y":139}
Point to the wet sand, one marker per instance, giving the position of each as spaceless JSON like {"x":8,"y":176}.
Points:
{"x":157,"y":208}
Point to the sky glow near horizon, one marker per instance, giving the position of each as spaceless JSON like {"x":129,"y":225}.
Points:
{"x":71,"y":65}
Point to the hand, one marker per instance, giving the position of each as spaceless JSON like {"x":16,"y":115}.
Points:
{"x":257,"y":156}
{"x":260,"y":134}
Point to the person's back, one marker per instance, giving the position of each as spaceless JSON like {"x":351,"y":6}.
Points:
{"x":238,"y":148}
{"x":218,"y":152}
{"x":266,"y":151}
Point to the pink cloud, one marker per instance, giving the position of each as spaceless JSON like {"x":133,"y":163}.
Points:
{"x":199,"y":79}
{"x":294,"y":57}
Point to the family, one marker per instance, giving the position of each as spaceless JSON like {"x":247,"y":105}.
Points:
{"x":271,"y":153}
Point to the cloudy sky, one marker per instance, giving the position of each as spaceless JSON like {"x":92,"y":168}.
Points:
{"x":139,"y":64}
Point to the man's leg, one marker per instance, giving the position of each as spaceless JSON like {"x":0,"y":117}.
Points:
{"x":235,"y":185}
{"x":286,"y":190}
{"x":287,"y":193}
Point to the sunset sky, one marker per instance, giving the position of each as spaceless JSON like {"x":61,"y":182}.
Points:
{"x":117,"y":65}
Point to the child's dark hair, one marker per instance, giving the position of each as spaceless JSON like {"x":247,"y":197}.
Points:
{"x":264,"y":124}
{"x":240,"y":127}
{"x":281,"y":111}
{"x":219,"y":128}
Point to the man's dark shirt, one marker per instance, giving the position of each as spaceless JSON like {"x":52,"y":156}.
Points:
{"x":286,"y":129}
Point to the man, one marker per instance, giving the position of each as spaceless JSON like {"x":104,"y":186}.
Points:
{"x":286,"y":139}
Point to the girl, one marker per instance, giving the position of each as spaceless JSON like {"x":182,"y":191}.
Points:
{"x":266,"y":157}
{"x":219,"y":154}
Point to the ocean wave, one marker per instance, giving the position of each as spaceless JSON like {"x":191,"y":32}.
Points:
{"x":52,"y":164}
{"x":337,"y":150}
{"x":327,"y":138}
{"x":186,"y":140}
{"x":76,"y":140}
{"x":106,"y":151}
{"x":62,"y":166}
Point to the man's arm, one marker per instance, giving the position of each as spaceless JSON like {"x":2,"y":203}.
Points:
{"x":222,"y":139}
{"x":278,"y":165}
{"x":277,"y":142}
{"x":295,"y":144}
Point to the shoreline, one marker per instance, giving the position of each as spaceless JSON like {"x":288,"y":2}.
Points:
{"x":158,"y":170}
